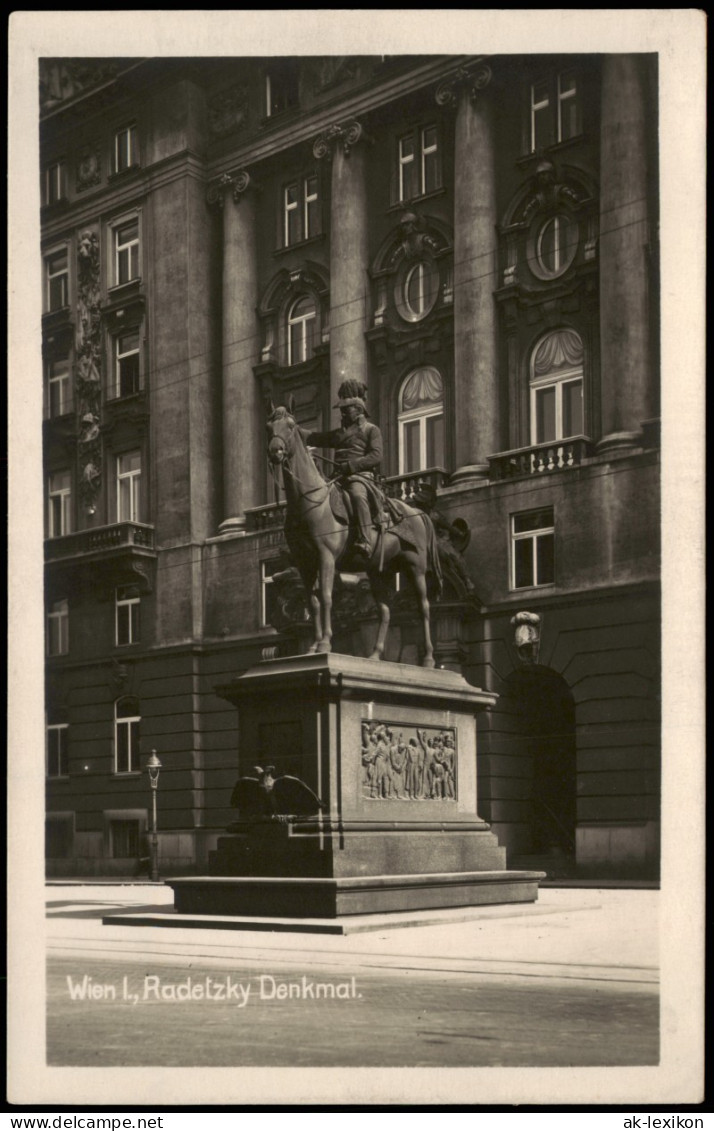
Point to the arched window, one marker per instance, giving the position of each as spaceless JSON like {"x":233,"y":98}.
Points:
{"x":556,"y":384}
{"x":301,"y":325}
{"x":421,"y":421}
{"x":127,"y":721}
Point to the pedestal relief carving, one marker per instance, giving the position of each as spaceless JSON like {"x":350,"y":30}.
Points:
{"x":88,"y":370}
{"x":408,"y":763}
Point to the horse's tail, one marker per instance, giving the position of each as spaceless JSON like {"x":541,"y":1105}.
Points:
{"x":433,"y":561}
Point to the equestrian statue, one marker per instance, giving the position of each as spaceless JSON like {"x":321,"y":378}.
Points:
{"x":344,"y":521}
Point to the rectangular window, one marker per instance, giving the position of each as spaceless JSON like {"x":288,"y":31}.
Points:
{"x":311,"y":208}
{"x":129,"y":487}
{"x":58,"y":751}
{"x":125,"y":839}
{"x":53,"y":183}
{"x":128,"y":610}
{"x":532,"y":549}
{"x":127,"y":746}
{"x":57,"y":269}
{"x":59,"y":519}
{"x":568,"y":108}
{"x":407,"y":180}
{"x":281,"y":88}
{"x":58,"y":628}
{"x":126,"y":152}
{"x":558,"y":410}
{"x":301,"y":210}
{"x":126,"y":251}
{"x":292,"y":215}
{"x":59,"y":399}
{"x":419,"y":167}
{"x":127,"y":364}
{"x":555,"y":110}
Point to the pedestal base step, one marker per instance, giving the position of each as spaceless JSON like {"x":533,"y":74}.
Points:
{"x":300,"y":898}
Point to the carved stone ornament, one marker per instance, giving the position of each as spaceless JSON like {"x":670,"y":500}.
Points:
{"x":236,"y":184}
{"x":89,"y":168}
{"x":527,"y":636}
{"x":348,"y":134}
{"x":88,"y":369}
{"x":474,"y":79}
{"x":547,"y":191}
{"x":228,"y":110}
{"x":62,"y":79}
{"x":333,"y":70}
{"x":414,"y":240}
{"x":401,"y":762}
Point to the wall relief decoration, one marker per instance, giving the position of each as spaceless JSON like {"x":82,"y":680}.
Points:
{"x":227,"y":110}
{"x":401,"y":762}
{"x":89,"y":168}
{"x":88,"y":370}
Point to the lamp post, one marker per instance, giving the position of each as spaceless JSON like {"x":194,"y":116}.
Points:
{"x":153,"y":766}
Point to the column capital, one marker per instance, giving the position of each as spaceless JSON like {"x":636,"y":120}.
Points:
{"x":473,"y":78}
{"x":345,"y":134}
{"x":237,"y":184}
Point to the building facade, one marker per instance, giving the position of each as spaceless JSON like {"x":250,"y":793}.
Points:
{"x":476,"y":239}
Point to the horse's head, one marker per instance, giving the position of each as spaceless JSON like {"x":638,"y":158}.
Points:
{"x":282,"y":430}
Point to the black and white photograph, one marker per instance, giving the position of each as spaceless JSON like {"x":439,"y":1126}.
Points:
{"x":356,"y":555}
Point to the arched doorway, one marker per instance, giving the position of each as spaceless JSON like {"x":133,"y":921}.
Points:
{"x":544,"y":713}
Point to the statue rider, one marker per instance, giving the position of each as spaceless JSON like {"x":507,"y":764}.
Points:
{"x":358,"y":454}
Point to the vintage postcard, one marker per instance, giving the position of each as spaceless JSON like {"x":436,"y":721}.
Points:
{"x":356,"y":557}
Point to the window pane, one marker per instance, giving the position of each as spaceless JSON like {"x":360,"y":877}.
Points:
{"x":122,"y":748}
{"x":415,"y":289}
{"x":135,"y":629}
{"x":411,"y":446}
{"x":134,"y":746}
{"x":129,"y":376}
{"x":128,"y":232}
{"x":125,"y":839}
{"x":63,"y":751}
{"x":123,"y":624}
{"x":131,"y":461}
{"x":572,"y":408}
{"x":523,"y":562}
{"x":545,"y":415}
{"x":545,"y":557}
{"x":435,"y":441}
{"x":533,"y":520}
{"x":297,"y":346}
{"x":431,"y":172}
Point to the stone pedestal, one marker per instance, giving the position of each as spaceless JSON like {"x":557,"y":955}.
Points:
{"x":390,"y":750}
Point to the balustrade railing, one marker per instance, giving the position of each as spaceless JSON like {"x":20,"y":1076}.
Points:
{"x":539,"y":459}
{"x":405,"y":487}
{"x":117,"y":536}
{"x":269,"y":517}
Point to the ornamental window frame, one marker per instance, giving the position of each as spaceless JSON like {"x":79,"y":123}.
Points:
{"x":307,"y":339}
{"x":556,"y":378}
{"x":128,"y":499}
{"x":126,"y":378}
{"x":416,"y":165}
{"x":127,"y":616}
{"x":129,"y":727}
{"x":126,"y":252}
{"x":420,"y":416}
{"x":59,"y":503}
{"x":125,"y":150}
{"x":553,"y":106}
{"x":542,"y":543}
{"x":58,"y":279}
{"x":58,"y":386}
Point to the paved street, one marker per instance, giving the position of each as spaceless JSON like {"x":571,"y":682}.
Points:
{"x":571,"y":980}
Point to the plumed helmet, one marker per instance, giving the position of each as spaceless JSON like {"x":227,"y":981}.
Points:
{"x":352,"y":392}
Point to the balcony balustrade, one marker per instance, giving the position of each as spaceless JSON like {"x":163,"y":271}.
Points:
{"x":540,"y":459}
{"x":101,"y":540}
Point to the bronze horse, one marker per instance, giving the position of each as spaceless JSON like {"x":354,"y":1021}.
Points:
{"x":319,"y":541}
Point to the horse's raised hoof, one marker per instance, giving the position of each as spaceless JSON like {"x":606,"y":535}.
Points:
{"x":312,"y":649}
{"x":429,"y":662}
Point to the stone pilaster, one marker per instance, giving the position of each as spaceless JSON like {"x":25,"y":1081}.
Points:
{"x":242,"y":435}
{"x":476,"y":391}
{"x":343,"y":144}
{"x":624,"y":236}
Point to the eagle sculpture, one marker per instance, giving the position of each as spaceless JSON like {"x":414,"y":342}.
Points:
{"x":274,"y":798}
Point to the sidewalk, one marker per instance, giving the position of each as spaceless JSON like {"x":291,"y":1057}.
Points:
{"x":569,"y":934}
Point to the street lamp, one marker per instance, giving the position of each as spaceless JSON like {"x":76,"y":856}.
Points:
{"x":153,"y":766}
